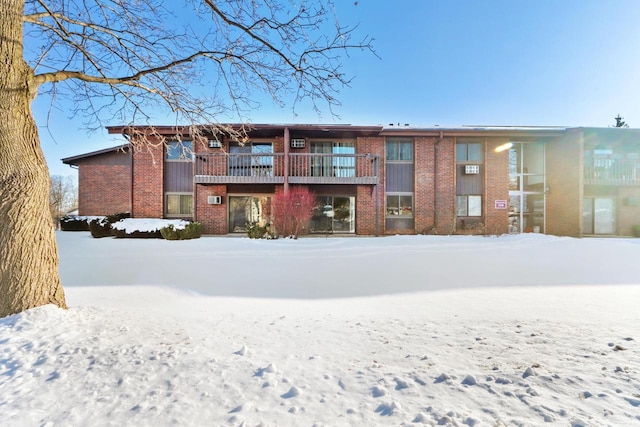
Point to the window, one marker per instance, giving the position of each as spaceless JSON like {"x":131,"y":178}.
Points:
{"x":468,"y":205}
{"x":399,"y":151}
{"x":469,"y":152}
{"x":179,"y":151}
{"x":251,"y":159}
{"x":400,"y":205}
{"x":179,"y":204}
{"x":333,"y":214}
{"x":333,"y":159}
{"x":247,"y":210}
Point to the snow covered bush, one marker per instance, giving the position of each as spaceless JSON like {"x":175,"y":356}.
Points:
{"x":148,"y":228}
{"x":292,"y":211}
{"x":118,"y":216}
{"x":100,"y":228}
{"x":192,"y":230}
{"x":74,"y":223}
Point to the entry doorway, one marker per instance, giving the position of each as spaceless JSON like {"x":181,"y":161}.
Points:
{"x":527,"y":187}
{"x":526,"y":213}
{"x":599,"y":215}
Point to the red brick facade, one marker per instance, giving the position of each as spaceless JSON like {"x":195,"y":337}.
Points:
{"x":148,"y":171}
{"x":104,"y":184}
{"x":114,"y":181}
{"x":496,"y":175}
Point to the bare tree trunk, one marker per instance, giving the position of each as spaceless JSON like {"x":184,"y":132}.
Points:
{"x":28,"y":254}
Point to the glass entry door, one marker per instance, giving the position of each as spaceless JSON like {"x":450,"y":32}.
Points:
{"x":526,"y":187}
{"x":334,"y":214}
{"x":526,"y":213}
{"x":599,"y":215}
{"x":248,"y":210}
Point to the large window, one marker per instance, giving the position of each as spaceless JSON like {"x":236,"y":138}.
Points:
{"x":251,"y":159}
{"x":526,"y":187}
{"x":468,"y":205}
{"x":400,"y":205}
{"x":399,"y":184}
{"x":399,"y":150}
{"x":247,"y":210}
{"x":469,"y":152}
{"x":178,"y":205}
{"x":334,"y":214}
{"x":469,"y":184}
{"x":333,"y":159}
{"x":179,"y":151}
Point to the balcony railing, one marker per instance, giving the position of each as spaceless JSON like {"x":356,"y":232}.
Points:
{"x":333,"y":169}
{"x":265,"y":168}
{"x":612,"y":172}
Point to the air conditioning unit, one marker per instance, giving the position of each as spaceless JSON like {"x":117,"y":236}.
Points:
{"x":298,"y":142}
{"x":214,"y":200}
{"x":214,"y":143}
{"x":472,"y":169}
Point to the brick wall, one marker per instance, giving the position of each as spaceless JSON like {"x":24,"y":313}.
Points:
{"x":445,"y":197}
{"x":148,"y":192}
{"x":104,"y":189}
{"x":104,"y":184}
{"x":213,"y":217}
{"x":496,"y":187}
{"x":366,"y":194}
{"x":564,"y":167}
{"x":424,"y":163}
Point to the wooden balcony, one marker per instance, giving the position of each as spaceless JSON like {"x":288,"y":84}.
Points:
{"x":612,"y":172}
{"x":261,"y":168}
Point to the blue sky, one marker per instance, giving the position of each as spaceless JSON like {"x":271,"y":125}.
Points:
{"x":455,"y":62}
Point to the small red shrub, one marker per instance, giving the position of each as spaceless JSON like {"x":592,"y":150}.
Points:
{"x":292,"y":211}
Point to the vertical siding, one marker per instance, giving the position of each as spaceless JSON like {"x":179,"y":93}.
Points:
{"x":469,"y":183}
{"x":178,"y":177}
{"x":400,"y":177}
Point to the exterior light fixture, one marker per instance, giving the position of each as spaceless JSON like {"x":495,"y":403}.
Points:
{"x":503,"y":147}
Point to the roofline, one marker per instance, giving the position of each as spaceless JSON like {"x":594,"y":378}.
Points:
{"x":474,"y":131}
{"x":73,"y":159}
{"x":173,"y":130}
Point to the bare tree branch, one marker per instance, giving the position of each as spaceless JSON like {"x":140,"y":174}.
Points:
{"x":134,"y":61}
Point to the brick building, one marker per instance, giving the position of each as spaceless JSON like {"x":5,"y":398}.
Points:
{"x":374,"y":180}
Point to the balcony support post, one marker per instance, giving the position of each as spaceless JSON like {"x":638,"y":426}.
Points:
{"x":286,"y":160}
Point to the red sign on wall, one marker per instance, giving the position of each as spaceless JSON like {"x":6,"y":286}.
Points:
{"x":500,"y":204}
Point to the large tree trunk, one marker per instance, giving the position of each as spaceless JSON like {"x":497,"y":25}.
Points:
{"x":28,"y":254}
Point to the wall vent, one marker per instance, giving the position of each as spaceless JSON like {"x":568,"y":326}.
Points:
{"x":298,"y":143}
{"x":214,"y":200}
{"x":472,"y":169}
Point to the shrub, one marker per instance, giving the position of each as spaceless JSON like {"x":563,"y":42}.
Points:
{"x":255,"y":231}
{"x":100,"y":228}
{"x":292,"y":211}
{"x":120,"y":233}
{"x":193,"y":230}
{"x":635,"y":230}
{"x":117,"y":217}
{"x":74,"y":223}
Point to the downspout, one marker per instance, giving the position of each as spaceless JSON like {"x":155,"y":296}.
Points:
{"x":131,"y":152}
{"x":286,"y":161}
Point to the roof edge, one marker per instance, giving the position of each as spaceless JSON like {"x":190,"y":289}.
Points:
{"x":73,"y":159}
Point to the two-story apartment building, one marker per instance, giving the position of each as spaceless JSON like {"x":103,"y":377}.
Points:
{"x":375,"y":180}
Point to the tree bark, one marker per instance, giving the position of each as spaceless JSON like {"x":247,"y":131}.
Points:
{"x":28,"y":254}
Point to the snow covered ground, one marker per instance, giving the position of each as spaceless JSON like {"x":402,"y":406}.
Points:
{"x":404,"y":330}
